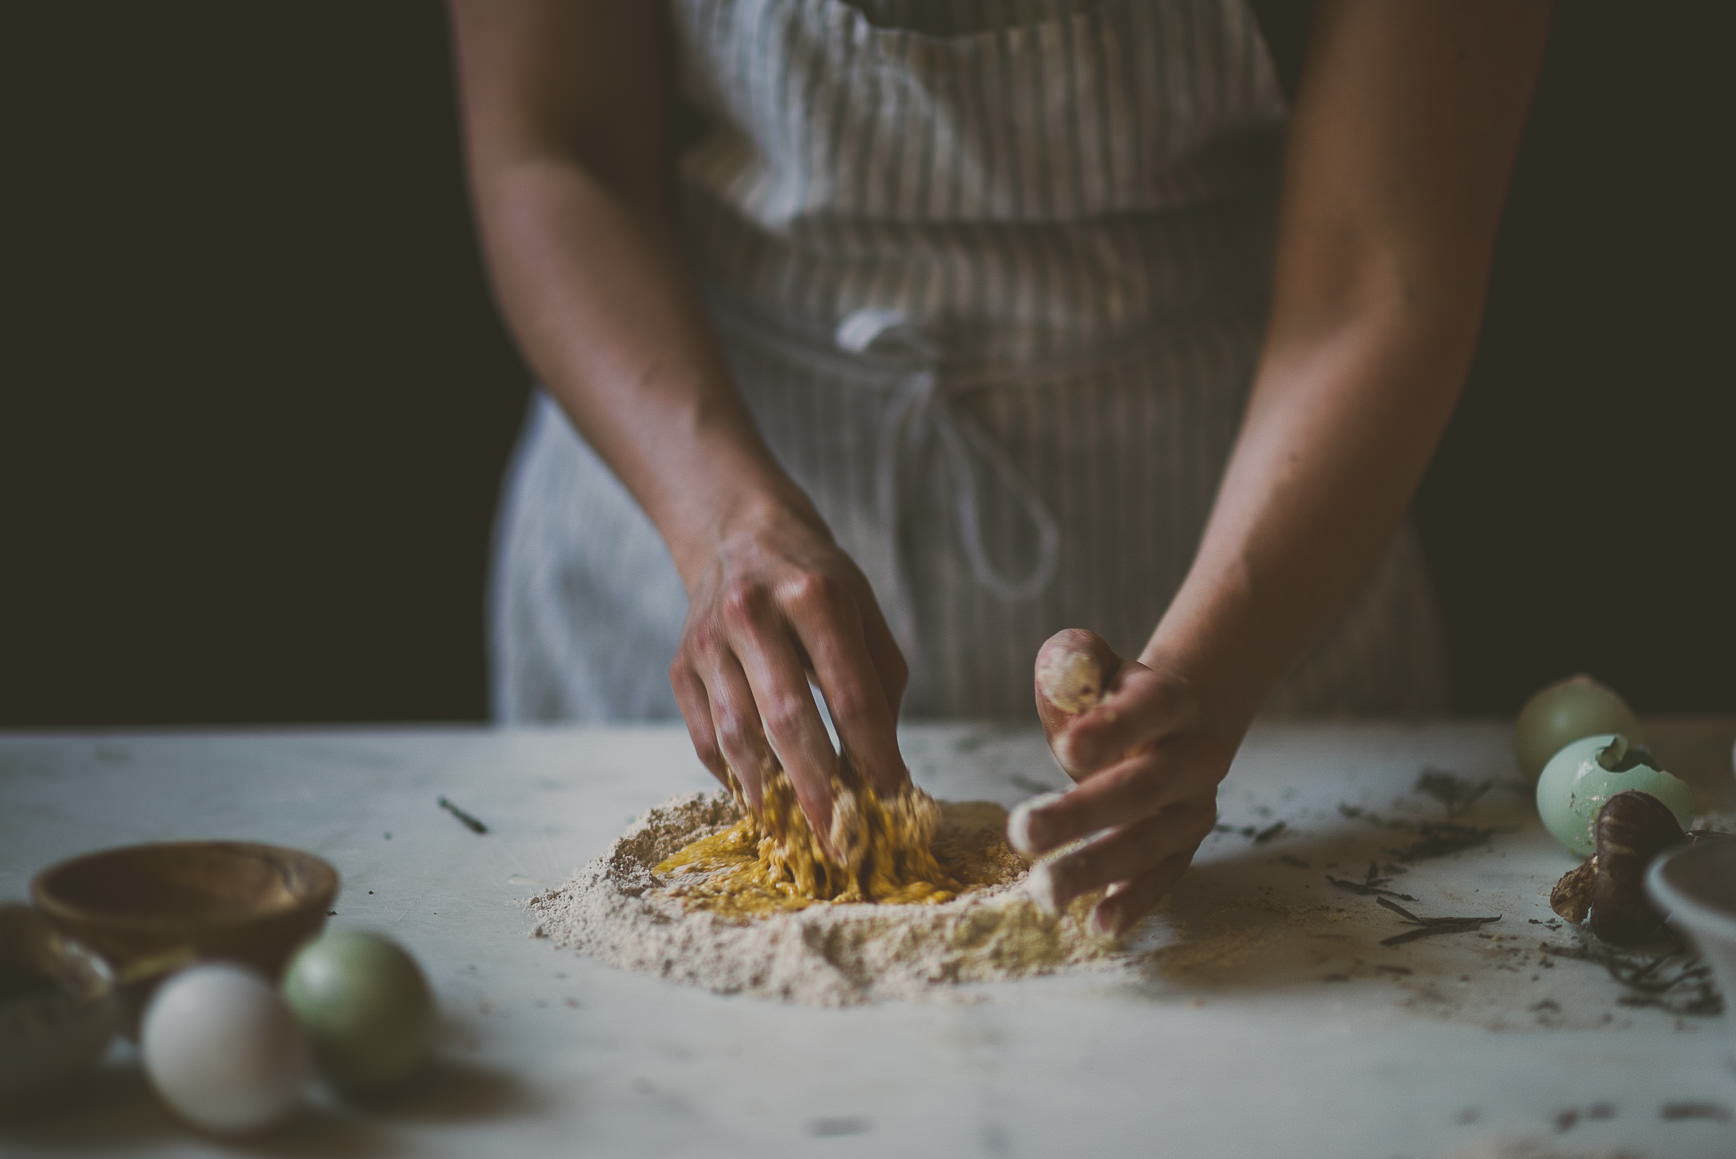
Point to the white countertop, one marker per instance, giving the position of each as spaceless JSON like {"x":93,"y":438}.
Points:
{"x":1270,"y":1021}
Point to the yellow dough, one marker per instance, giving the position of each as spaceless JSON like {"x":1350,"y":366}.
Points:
{"x":894,"y":851}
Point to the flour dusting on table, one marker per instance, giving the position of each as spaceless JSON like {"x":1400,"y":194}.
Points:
{"x":619,"y":910}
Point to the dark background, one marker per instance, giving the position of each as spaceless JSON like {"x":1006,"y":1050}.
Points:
{"x":257,"y":401}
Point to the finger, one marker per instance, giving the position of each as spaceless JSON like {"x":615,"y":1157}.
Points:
{"x":735,"y":718}
{"x":787,"y":713}
{"x":1130,"y":790}
{"x":695,"y":709}
{"x":1096,"y":707}
{"x":1122,"y":854}
{"x":831,"y":633}
{"x":1116,"y":914}
{"x":889,"y":662}
{"x":1139,"y":708}
{"x":1073,"y":671}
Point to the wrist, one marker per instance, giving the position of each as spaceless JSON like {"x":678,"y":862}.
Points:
{"x":727,"y":507}
{"x":1214,"y":647}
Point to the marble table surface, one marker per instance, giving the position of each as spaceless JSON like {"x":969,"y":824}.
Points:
{"x":1265,"y":1018}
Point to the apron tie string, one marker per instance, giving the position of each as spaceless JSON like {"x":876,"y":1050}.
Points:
{"x":922,"y":408}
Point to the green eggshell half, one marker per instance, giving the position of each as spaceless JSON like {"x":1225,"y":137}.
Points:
{"x":364,"y":1004}
{"x":1573,"y":787}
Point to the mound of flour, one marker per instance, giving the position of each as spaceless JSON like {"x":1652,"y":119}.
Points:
{"x":618,"y":910}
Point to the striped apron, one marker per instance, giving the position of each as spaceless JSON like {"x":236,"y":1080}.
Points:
{"x":991,"y":276}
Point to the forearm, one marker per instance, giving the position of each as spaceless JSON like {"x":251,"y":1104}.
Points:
{"x":1338,"y":431}
{"x":592,"y":285}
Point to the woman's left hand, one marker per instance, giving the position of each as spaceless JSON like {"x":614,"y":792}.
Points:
{"x":1137,"y":740}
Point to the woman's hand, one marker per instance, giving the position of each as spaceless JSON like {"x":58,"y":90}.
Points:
{"x":773,"y":601}
{"x":1147,"y":762}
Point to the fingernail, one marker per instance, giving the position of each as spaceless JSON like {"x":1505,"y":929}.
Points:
{"x":1041,"y":883}
{"x":1019,"y":823}
{"x":1070,"y":678}
{"x":1103,"y":924}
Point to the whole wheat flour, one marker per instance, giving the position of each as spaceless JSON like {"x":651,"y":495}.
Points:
{"x":621,"y":910}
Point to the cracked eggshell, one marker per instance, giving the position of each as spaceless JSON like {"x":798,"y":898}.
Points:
{"x":1574,"y":786}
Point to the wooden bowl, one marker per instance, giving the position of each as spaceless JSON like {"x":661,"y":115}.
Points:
{"x":151,"y":907}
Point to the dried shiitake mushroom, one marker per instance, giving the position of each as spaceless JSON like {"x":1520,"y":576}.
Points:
{"x":1631,"y":829}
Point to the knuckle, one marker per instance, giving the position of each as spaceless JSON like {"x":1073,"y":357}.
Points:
{"x":848,"y":704}
{"x":814,"y":592}
{"x":699,"y":643}
{"x":740,"y":602}
{"x":785,"y":715}
{"x":733,"y":732}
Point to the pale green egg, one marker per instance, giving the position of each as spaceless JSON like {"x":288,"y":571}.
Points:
{"x":1565,"y":711}
{"x":365,"y":1006}
{"x":1585,"y":773}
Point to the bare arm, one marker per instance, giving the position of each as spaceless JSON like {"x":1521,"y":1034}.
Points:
{"x":1400,"y":149}
{"x":562,"y":105}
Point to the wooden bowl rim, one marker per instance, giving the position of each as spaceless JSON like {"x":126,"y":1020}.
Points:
{"x":322,"y":875}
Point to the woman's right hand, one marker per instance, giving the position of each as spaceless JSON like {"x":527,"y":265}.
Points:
{"x":773,"y":600}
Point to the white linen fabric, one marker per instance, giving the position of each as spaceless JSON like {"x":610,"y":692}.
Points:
{"x":991,"y":275}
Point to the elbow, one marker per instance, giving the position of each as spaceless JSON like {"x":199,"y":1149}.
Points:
{"x":505,"y":188}
{"x":1428,"y":297}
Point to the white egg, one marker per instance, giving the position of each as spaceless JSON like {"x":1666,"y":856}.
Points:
{"x":223,"y":1048}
